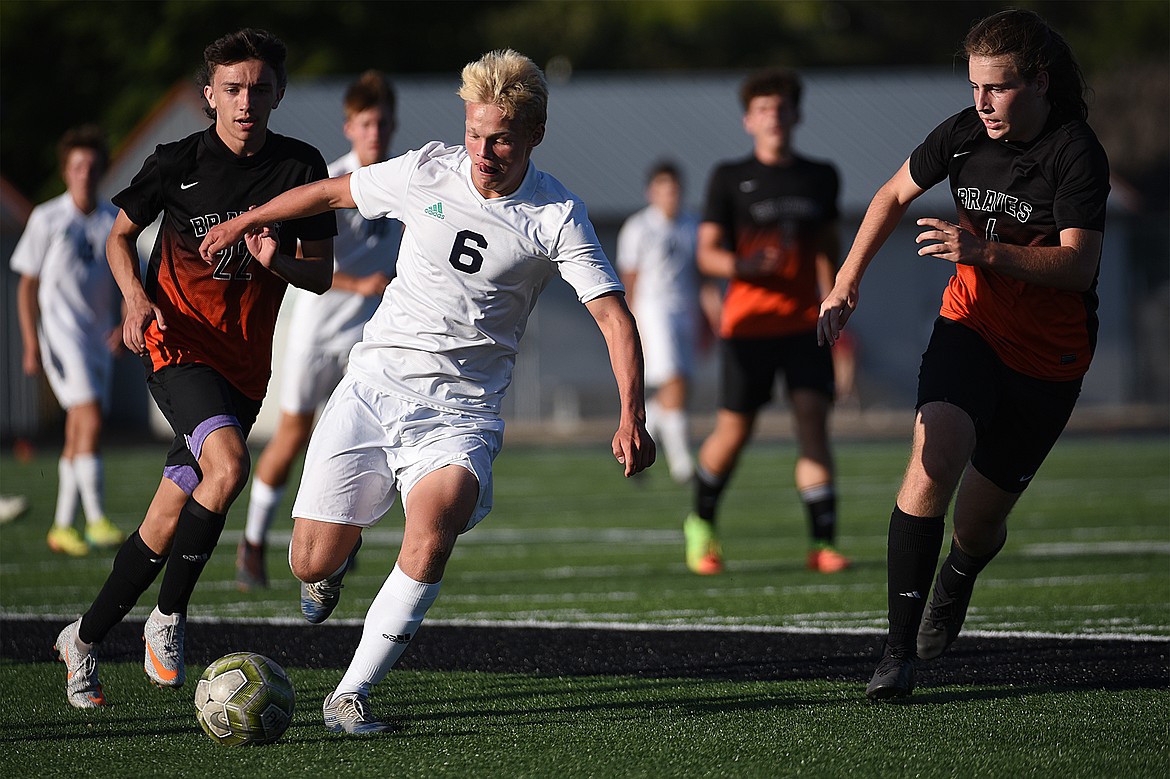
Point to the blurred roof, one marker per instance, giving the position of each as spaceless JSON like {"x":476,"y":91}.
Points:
{"x":14,"y":208}
{"x":604,"y":131}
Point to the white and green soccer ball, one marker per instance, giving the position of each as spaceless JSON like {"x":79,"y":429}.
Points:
{"x":244,"y":698}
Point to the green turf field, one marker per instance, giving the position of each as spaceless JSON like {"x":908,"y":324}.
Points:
{"x":570,"y":541}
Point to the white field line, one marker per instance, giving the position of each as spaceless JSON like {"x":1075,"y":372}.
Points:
{"x":1070,"y":549}
{"x":669,"y":627}
{"x":628,"y":538}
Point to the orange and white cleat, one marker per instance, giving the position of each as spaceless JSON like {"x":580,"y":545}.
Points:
{"x":826,"y":559}
{"x":82,"y":688}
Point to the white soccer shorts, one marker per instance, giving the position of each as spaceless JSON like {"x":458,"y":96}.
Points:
{"x":79,"y":371}
{"x":368,"y":447}
{"x":668,"y":346}
{"x":308,"y":376}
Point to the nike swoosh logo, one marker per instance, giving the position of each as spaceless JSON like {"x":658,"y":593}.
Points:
{"x":960,"y":154}
{"x":64,"y":656}
{"x":163,"y":672}
{"x":188,"y":186}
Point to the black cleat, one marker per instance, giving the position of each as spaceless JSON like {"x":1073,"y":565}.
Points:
{"x":894,"y":677}
{"x":941,"y":621}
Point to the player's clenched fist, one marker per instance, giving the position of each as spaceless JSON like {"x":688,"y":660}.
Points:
{"x":221,"y":237}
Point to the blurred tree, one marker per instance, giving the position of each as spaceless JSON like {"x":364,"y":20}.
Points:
{"x":63,"y":62}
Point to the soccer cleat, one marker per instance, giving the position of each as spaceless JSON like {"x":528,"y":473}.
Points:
{"x":941,"y":621}
{"x":348,"y":712}
{"x":250,"y":571}
{"x":11,"y":507}
{"x":894,"y":677}
{"x":163,"y":636}
{"x":826,"y":559}
{"x":103,"y":534}
{"x":66,"y":540}
{"x":703,"y":554}
{"x":319,"y":599}
{"x":82,"y":688}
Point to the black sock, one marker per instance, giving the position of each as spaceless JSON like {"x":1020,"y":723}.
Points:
{"x":820,"y":502}
{"x":958,"y":571}
{"x":195,"y":539}
{"x":708,"y":488}
{"x":135,"y":568}
{"x":911,"y":557}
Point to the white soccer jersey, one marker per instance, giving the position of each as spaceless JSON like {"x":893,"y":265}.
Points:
{"x":662,"y":253}
{"x":78,"y":298}
{"x":333,"y":322}
{"x":666,"y":296}
{"x":470,"y":270}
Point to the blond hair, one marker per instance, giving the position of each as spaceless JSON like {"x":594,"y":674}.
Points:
{"x":511,"y":82}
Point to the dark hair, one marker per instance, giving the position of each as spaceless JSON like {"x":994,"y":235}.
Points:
{"x":246,"y":44}
{"x":663,"y":168}
{"x":773,"y":81}
{"x":370,"y":90}
{"x":1033,"y":47}
{"x":87,"y":136}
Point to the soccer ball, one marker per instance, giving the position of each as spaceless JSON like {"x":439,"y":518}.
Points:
{"x":244,"y":698}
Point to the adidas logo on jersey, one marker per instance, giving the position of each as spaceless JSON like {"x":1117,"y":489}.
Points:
{"x":436,"y":210}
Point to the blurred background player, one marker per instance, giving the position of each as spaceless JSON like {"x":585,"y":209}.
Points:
{"x":204,"y":329}
{"x":656,"y":259}
{"x":769,"y":228}
{"x":69,"y":314}
{"x":1018,"y":322}
{"x":325,"y":327}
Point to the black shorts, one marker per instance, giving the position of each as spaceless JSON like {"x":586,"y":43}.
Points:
{"x":750,"y":366}
{"x":196,"y":400}
{"x":1017,"y":418}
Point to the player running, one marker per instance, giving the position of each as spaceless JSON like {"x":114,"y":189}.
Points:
{"x":1016,"y":331}
{"x":203,"y":326}
{"x":418,"y":413}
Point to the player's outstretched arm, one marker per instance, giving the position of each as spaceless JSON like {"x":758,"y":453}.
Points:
{"x":885,"y":211}
{"x":632,"y":445}
{"x":306,"y":200}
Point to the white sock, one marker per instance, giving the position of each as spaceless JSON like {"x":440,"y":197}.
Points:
{"x":66,"y":494}
{"x":87,"y":468}
{"x":262,"y":504}
{"x":394,"y":616}
{"x":672,"y":425}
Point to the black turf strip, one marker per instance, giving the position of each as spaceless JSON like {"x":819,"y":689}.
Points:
{"x":1030,"y":663}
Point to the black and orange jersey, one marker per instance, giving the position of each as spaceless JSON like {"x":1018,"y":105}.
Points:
{"x":783,"y":206}
{"x":221,"y":314}
{"x":1021,"y":194}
